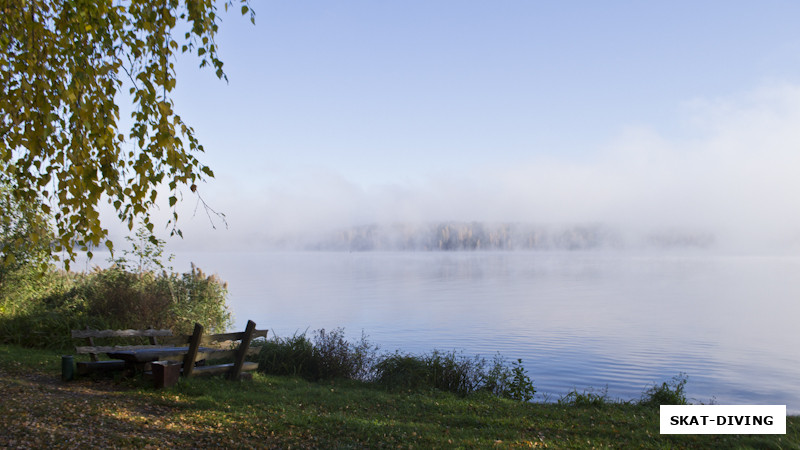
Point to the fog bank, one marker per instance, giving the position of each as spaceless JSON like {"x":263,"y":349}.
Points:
{"x":730,"y":171}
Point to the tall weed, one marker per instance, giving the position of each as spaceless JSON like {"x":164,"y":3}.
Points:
{"x":327,"y":356}
{"x":667,"y":393}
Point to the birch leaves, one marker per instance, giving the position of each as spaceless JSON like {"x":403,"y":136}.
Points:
{"x":64,"y":65}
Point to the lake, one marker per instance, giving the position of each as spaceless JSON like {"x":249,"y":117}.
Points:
{"x":578,"y":320}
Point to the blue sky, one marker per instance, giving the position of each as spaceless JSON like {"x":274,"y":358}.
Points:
{"x":639,"y":114}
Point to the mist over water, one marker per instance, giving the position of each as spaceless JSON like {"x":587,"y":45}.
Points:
{"x":729,"y":171}
{"x":648,"y":255}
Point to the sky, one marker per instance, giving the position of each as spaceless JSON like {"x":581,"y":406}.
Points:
{"x":641,"y":115}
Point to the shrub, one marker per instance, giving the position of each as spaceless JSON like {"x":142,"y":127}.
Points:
{"x":521,"y":388}
{"x":586,"y":398}
{"x":508,"y":382}
{"x":402,"y":371}
{"x":288,"y":356}
{"x":41,"y":311}
{"x":141,"y":300}
{"x":668,"y":393}
{"x":338,"y":358}
{"x":455,"y":373}
{"x":135,"y":300}
{"x":197,"y":297}
{"x":328,"y":356}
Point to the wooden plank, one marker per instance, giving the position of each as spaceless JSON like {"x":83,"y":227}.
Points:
{"x":194,"y":345}
{"x":226,"y":345}
{"x":238,"y":336}
{"x":242,"y":351}
{"x":215,"y":354}
{"x":119,"y":333}
{"x":224,"y":368}
{"x":115,"y":348}
{"x":90,"y":340}
{"x":153,"y":339}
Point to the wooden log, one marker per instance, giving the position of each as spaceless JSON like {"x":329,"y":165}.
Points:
{"x":242,"y":351}
{"x":194,"y":345}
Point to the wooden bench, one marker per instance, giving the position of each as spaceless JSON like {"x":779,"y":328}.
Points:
{"x":191,"y":352}
{"x":221,"y":347}
{"x":96,"y":365}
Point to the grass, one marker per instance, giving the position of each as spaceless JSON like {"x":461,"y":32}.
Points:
{"x":39,"y":410}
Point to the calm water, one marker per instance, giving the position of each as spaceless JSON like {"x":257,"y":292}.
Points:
{"x":577,"y":319}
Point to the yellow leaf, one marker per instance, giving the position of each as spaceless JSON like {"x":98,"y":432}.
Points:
{"x":88,"y":27}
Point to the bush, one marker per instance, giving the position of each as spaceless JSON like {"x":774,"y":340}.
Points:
{"x":288,"y":356}
{"x":586,"y":398}
{"x":668,"y":393}
{"x":141,"y":300}
{"x":338,"y":358}
{"x":508,"y":382}
{"x":197,"y":297}
{"x":328,"y":356}
{"x":402,"y":371}
{"x":455,"y":373}
{"x":40,"y":311}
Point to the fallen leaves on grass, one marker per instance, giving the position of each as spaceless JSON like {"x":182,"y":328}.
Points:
{"x":38,"y":412}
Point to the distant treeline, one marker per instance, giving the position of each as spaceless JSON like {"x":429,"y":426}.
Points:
{"x":460,"y":236}
{"x":472,"y":236}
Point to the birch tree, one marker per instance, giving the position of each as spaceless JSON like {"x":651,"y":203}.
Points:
{"x":64,"y":66}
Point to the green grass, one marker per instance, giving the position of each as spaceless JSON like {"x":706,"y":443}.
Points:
{"x":282,"y":412}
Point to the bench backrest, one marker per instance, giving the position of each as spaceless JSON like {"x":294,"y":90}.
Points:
{"x":197,"y":339}
{"x":93,"y":350}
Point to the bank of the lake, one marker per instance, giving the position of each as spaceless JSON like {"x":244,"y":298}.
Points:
{"x":39,"y":410}
{"x":620,"y":320}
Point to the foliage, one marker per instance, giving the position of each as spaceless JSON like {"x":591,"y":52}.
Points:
{"x":288,"y":356}
{"x":63,"y":68}
{"x":586,"y":398}
{"x":338,"y":358}
{"x":145,"y":255}
{"x":42,"y":314}
{"x":452,"y":372}
{"x":327,"y":356}
{"x":198,"y":297}
{"x":667,"y":393}
{"x":402,"y":371}
{"x":24,"y":238}
{"x":449,"y":372}
{"x":521,"y":387}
